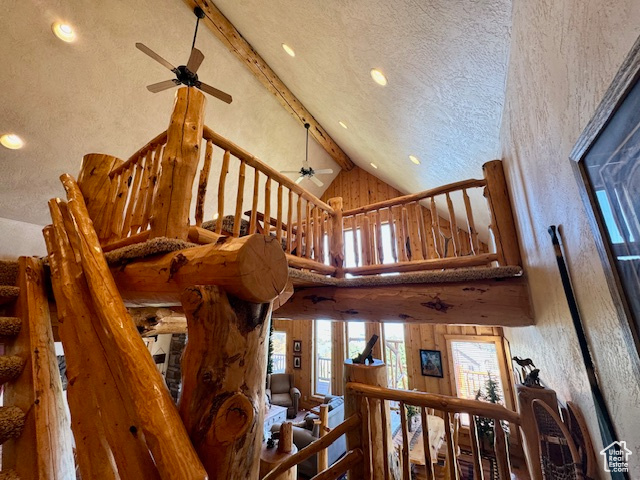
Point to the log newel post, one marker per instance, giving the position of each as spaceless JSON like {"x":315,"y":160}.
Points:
{"x":270,"y":458}
{"x":172,"y":202}
{"x":375,"y":374}
{"x":223,"y":380}
{"x":336,"y":242}
{"x":502,"y":221}
{"x":94,"y":181}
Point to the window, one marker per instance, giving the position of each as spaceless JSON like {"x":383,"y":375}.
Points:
{"x":322,"y":341}
{"x":395,"y":355}
{"x":352,"y":244}
{"x":356,"y":340}
{"x":279,"y":356}
{"x":474,"y":361}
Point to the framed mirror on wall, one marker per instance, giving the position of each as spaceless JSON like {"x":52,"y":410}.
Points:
{"x":606,"y":161}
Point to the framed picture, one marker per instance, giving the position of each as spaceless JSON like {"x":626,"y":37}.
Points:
{"x":606,"y":160}
{"x":297,"y":361}
{"x":297,"y":346}
{"x":431,"y":363}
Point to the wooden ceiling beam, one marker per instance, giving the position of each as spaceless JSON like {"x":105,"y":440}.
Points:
{"x":503,"y":302}
{"x":224,"y":30}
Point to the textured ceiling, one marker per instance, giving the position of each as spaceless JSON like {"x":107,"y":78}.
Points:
{"x":445,"y":61}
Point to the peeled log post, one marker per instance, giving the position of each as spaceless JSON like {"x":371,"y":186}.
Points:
{"x":270,"y":458}
{"x":95,"y":183}
{"x":502,"y":222}
{"x":336,"y":241}
{"x":253,"y":268}
{"x":376,"y":375}
{"x":172,"y":203}
{"x":222,"y":401}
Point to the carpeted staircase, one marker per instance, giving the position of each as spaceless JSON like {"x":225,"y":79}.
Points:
{"x":12,"y":419}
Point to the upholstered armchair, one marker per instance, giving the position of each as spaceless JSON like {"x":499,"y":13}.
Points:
{"x":280,"y":391}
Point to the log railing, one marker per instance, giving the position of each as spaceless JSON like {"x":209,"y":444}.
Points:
{"x":426,"y":231}
{"x":278,"y":206}
{"x":372,"y":397}
{"x":150,"y":195}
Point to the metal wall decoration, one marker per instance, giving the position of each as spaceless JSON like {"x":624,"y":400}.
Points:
{"x":606,"y":161}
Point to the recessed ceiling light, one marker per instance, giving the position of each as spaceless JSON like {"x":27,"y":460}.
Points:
{"x":414,"y":159}
{"x":216,"y":216}
{"x":64,"y":32}
{"x":374,"y":165}
{"x":11,"y":141}
{"x":343,"y":125}
{"x":378,"y":77}
{"x":289,"y":50}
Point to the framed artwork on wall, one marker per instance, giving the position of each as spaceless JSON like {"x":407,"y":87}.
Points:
{"x":606,"y":160}
{"x":431,"y":363}
{"x":297,"y":361}
{"x":297,"y":346}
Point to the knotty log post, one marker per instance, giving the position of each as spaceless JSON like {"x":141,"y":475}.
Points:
{"x":270,"y":458}
{"x":224,"y":368}
{"x":376,"y":375}
{"x":95,"y":183}
{"x":502,"y":223}
{"x":172,"y":203}
{"x":93,"y":387}
{"x":323,"y":455}
{"x":159,"y":421}
{"x":43,"y":450}
{"x":336,"y":241}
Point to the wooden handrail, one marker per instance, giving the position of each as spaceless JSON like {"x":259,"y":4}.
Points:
{"x":439,"y":402}
{"x":160,"y":138}
{"x":353,"y":457}
{"x":414,"y":197}
{"x":256,"y":163}
{"x":431,"y":264}
{"x":314,"y":447}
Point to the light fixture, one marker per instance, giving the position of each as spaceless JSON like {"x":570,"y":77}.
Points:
{"x":414,"y":159}
{"x":378,"y":77}
{"x":11,"y":141}
{"x":216,"y":216}
{"x":289,"y":50}
{"x":343,"y":125}
{"x":64,"y":32}
{"x":374,"y":165}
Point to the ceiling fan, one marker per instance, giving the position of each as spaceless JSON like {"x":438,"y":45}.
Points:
{"x":306,"y":171}
{"x":185,"y":74}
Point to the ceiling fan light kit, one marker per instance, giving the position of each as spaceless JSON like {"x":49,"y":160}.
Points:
{"x":185,"y":74}
{"x":306,"y":171}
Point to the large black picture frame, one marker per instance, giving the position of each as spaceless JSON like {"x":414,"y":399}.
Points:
{"x":606,"y":162}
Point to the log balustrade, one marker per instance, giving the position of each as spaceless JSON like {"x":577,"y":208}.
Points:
{"x":151,"y":193}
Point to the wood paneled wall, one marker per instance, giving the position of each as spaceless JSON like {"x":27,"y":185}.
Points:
{"x":358,"y":187}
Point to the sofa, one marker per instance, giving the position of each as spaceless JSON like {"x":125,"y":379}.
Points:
{"x":280,"y":391}
{"x":306,"y":432}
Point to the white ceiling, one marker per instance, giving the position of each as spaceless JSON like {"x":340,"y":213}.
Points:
{"x":445,"y":61}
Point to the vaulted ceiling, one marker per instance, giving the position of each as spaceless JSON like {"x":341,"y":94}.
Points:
{"x":445,"y":61}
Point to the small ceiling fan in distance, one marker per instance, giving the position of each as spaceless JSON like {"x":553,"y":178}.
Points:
{"x":306,"y":171}
{"x":185,"y":74}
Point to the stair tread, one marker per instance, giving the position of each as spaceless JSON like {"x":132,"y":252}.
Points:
{"x":8,"y":272}
{"x":10,"y":326}
{"x":8,"y":294}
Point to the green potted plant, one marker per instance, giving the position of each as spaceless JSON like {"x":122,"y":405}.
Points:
{"x":484,"y":425}
{"x":411,"y":412}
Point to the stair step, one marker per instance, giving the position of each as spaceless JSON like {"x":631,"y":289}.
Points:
{"x":10,"y":367}
{"x":8,"y":294}
{"x":9,"y":475}
{"x":11,"y":423}
{"x":10,"y":326}
{"x":8,"y":273}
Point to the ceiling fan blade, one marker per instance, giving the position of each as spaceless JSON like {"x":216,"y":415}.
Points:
{"x":219,"y":94}
{"x":324,"y":170}
{"x":144,"y":49}
{"x":300,"y":178}
{"x":316,"y":181}
{"x":195,"y":60}
{"x":160,"y":86}
{"x":290,"y":171}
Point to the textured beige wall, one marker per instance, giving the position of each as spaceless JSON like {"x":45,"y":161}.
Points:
{"x":564,"y":55}
{"x":20,"y":238}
